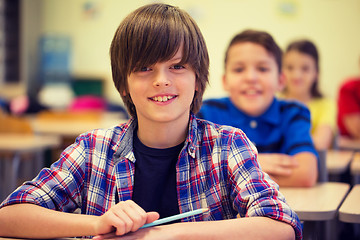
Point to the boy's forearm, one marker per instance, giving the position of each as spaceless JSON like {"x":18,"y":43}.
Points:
{"x":32,"y":221}
{"x":240,"y":228}
{"x":305,"y":175}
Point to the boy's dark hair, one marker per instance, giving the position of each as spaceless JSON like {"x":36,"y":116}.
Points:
{"x":258,"y":37}
{"x":154,"y":33}
{"x":309,"y":48}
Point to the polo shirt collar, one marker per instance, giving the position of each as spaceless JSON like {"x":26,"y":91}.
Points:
{"x":271,"y":115}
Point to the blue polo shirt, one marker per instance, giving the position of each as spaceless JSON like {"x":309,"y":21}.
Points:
{"x":283,"y":128}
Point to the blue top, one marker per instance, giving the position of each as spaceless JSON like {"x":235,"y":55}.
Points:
{"x":283,"y":128}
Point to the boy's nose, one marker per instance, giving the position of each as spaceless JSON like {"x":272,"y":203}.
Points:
{"x":161,"y":79}
{"x":251,"y":75}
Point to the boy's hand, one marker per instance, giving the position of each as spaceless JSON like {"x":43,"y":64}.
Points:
{"x":277,"y":164}
{"x":122,"y":218}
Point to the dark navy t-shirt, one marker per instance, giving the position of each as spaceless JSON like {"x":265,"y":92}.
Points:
{"x":155,"y":178}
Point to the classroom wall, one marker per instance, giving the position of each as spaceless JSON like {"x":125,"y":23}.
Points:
{"x":334,"y":25}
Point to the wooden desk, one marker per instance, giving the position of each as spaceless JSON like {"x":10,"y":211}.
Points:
{"x":318,"y":203}
{"x":317,"y":207}
{"x":338,"y":161}
{"x":347,"y":143}
{"x":355,"y":164}
{"x":355,"y":168}
{"x":1,"y":238}
{"x":350,"y":209}
{"x":26,"y":142}
{"x":11,"y":148}
{"x":70,"y":126}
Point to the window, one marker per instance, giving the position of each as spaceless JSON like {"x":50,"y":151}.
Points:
{"x":9,"y":41}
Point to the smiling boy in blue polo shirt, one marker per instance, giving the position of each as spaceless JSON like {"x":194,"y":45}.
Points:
{"x":279,"y":129}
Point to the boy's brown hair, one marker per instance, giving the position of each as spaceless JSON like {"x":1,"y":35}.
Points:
{"x":153,"y":33}
{"x":258,"y":37}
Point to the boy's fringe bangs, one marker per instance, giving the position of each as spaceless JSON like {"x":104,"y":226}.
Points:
{"x":160,"y":40}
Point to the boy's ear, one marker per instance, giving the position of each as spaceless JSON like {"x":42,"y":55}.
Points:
{"x":224,"y":83}
{"x":282,"y":80}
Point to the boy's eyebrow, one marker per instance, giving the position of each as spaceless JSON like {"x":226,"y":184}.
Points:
{"x":257,"y":62}
{"x":265,"y":61}
{"x":176,"y":59}
{"x":242,"y":63}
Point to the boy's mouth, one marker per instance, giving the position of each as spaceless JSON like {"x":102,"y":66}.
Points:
{"x":251,"y":92}
{"x":163,"y":98}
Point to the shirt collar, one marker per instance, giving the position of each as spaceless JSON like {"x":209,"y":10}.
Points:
{"x":192,"y":138}
{"x":271,"y":115}
{"x":124,"y":143}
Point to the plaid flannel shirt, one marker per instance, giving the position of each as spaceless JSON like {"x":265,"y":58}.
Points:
{"x":217,"y":168}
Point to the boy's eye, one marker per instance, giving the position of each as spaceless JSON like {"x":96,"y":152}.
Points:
{"x":238,"y":69}
{"x":263,"y":69}
{"x":144,"y":69}
{"x":178,"y":67}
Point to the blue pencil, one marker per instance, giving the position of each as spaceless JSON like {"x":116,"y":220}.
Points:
{"x":175,"y":217}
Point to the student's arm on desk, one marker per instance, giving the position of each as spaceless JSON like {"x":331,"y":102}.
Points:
{"x":240,"y":228}
{"x":32,"y":221}
{"x":323,"y":137}
{"x":299,"y":170}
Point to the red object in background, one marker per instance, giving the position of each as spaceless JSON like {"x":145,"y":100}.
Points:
{"x":87,"y":103}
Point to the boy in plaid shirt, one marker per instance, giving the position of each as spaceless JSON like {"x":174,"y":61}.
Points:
{"x":163,"y":161}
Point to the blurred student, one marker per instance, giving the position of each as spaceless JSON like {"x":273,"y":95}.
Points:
{"x":280,"y":129}
{"x":4,"y":105}
{"x":48,"y":97}
{"x":163,"y":161}
{"x":301,"y":72}
{"x":348,"y":118}
{"x":25,"y":104}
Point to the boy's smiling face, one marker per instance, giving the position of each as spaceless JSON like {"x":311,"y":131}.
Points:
{"x":164,"y":91}
{"x":251,"y":77}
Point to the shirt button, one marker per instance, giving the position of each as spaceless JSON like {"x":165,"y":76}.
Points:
{"x":253,"y":124}
{"x":123,"y":183}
